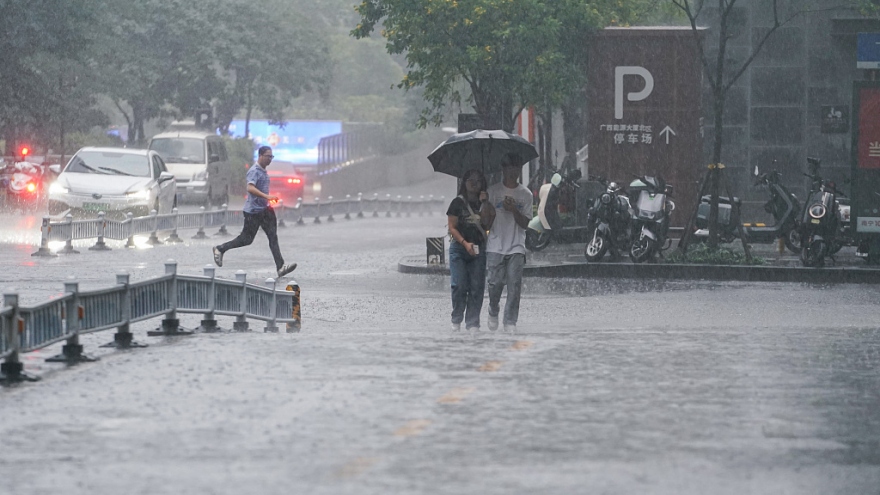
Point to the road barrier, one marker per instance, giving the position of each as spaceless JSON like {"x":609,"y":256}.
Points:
{"x":101,"y":228}
{"x":26,"y":329}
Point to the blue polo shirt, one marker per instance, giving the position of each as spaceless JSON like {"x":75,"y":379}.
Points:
{"x":257,"y":176}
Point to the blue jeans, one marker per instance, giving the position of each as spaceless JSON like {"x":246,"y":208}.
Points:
{"x":505,"y":270}
{"x":468,"y":279}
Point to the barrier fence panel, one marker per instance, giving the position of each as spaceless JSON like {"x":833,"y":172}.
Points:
{"x":5,"y":328}
{"x":43,"y":324}
{"x":227,"y":298}
{"x":69,"y":230}
{"x":193,"y":293}
{"x":102,"y":309}
{"x":149,"y":298}
{"x":259,"y":302}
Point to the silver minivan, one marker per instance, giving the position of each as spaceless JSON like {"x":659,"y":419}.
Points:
{"x":200,"y":164}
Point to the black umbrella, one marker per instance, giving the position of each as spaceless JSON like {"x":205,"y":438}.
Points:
{"x":481,"y":150}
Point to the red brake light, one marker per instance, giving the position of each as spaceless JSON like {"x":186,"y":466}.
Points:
{"x":31,"y":187}
{"x":293,"y":181}
{"x":25,"y":151}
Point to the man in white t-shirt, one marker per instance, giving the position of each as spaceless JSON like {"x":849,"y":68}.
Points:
{"x":507,"y":213}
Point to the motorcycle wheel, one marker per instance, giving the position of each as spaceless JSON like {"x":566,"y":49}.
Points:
{"x":812,"y":254}
{"x":596,"y":248}
{"x":536,"y":242}
{"x":793,"y":241}
{"x":642,"y":249}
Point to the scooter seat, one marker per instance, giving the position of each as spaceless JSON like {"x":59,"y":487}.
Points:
{"x":721,"y":199}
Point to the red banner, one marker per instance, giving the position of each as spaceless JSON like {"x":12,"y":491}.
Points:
{"x":869,"y":128}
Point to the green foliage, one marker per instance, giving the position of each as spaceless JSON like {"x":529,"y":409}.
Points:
{"x":510,"y":53}
{"x":702,"y":254}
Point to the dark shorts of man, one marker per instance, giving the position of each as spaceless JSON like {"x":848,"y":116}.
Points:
{"x":253,"y":222}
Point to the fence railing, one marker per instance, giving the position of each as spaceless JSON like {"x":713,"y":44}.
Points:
{"x":26,"y":329}
{"x":101,"y":228}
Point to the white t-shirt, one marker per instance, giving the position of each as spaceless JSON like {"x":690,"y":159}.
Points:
{"x":505,"y":236}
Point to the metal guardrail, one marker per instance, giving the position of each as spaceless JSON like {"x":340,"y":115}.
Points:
{"x":26,"y":329}
{"x":101,"y":228}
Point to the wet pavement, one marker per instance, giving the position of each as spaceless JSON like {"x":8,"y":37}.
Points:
{"x":610,"y":386}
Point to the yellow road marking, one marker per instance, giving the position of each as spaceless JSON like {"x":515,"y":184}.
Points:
{"x":490,"y":366}
{"x":412,"y":428}
{"x":356,"y":467}
{"x":455,"y":395}
{"x":520,"y":345}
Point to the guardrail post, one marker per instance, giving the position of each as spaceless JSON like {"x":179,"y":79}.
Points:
{"x":299,"y":210}
{"x":294,"y":326}
{"x":409,"y":206}
{"x":44,"y":250}
{"x":388,"y":200}
{"x":201,"y":233}
{"x":280,"y":214}
{"x":12,"y":369}
{"x":123,"y":339}
{"x":102,"y":226}
{"x":330,"y":204}
{"x":68,"y":243}
{"x":241,"y":324}
{"x":174,"y":238}
{"x":209,"y":322}
{"x":271,"y":325}
{"x":375,"y":205}
{"x":154,"y":237}
{"x":348,"y":206}
{"x":360,"y":202}
{"x":72,"y":352}
{"x":317,"y":210}
{"x":399,"y":205}
{"x":430,"y":205}
{"x":422,"y":205}
{"x":171,"y":324}
{"x":128,"y":222}
{"x":442,"y":202}
{"x":223,"y":231}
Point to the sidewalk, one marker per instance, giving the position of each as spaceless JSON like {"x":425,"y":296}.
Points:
{"x":567,"y":261}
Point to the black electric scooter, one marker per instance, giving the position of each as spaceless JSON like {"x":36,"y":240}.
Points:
{"x":783,"y":205}
{"x":609,"y":222}
{"x":820,"y":219}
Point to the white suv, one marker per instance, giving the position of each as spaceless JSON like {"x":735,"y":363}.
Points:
{"x":200,"y":164}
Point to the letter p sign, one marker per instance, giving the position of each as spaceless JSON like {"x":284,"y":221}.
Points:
{"x":619,"y":74}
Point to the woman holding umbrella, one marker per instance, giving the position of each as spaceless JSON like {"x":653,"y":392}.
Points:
{"x":467,"y":250}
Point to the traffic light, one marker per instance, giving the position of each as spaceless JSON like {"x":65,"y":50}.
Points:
{"x":24,"y":152}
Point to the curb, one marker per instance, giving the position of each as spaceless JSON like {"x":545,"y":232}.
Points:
{"x":828,"y":275}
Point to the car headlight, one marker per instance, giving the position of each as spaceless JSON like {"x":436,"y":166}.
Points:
{"x":817,"y":211}
{"x":57,"y":188}
{"x":605,"y":198}
{"x":143,"y":194}
{"x":201,"y":175}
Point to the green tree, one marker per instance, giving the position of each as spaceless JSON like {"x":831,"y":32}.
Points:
{"x":509,"y":53}
{"x":31,"y":29}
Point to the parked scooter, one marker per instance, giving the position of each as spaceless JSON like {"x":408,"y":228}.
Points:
{"x":783,"y":205}
{"x":820,"y":219}
{"x":609,"y":223}
{"x":22,"y":183}
{"x":652,"y":210}
{"x":564,"y":189}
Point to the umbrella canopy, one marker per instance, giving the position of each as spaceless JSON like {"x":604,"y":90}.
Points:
{"x":481,"y":150}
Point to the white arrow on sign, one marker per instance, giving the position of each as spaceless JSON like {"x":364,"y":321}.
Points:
{"x":667,"y":130}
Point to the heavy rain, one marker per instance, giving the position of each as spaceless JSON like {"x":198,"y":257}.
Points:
{"x":275,"y":246}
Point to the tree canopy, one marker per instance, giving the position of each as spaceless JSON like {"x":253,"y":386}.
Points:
{"x":507,"y":53}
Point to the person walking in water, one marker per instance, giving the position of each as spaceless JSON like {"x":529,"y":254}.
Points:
{"x":467,"y":251}
{"x":507,"y":215}
{"x":258,"y":214}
